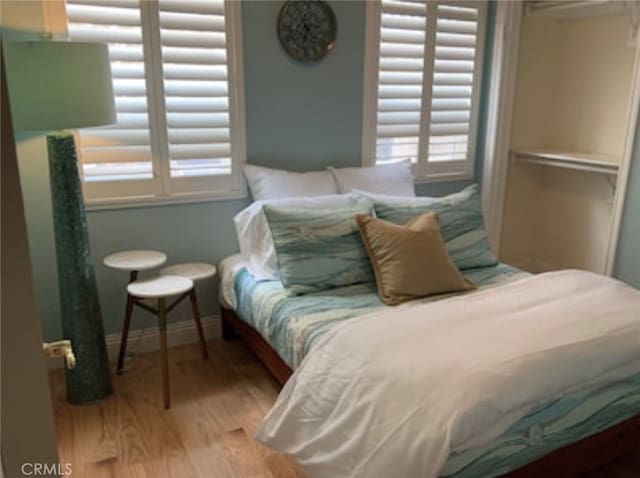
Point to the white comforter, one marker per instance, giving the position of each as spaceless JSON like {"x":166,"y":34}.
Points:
{"x":391,"y":394}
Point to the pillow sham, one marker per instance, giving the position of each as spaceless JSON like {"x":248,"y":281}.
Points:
{"x":460,"y":218}
{"x":254,"y":234}
{"x":393,"y":179}
{"x":410,"y":261}
{"x":319,"y":249}
{"x":268,"y":183}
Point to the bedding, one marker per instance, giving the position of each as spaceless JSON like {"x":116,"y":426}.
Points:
{"x":268,"y":183}
{"x":349,"y":410}
{"x":319,"y":249}
{"x":254,"y":235}
{"x":460,"y":218}
{"x":546,"y":428}
{"x":229,"y":271}
{"x":293,"y":324}
{"x":394,"y":179}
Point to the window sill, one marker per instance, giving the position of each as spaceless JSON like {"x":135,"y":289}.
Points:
{"x":159,"y":201}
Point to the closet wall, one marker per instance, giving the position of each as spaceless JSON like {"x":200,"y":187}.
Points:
{"x":572,"y":92}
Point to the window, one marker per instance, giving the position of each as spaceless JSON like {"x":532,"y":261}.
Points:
{"x":177,"y":80}
{"x":422,"y":82}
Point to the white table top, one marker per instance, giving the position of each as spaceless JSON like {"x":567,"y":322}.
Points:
{"x":192,"y":270}
{"x":135,"y":260}
{"x":160,"y":286}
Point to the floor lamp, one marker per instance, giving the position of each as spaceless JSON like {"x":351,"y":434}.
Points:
{"x":55,"y":86}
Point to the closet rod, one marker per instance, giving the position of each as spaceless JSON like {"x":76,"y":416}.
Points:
{"x":566,"y":161}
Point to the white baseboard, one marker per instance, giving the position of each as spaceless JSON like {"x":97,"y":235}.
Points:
{"x":178,"y":333}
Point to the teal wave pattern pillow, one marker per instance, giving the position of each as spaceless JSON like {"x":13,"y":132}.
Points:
{"x":460,"y":218}
{"x":319,"y":249}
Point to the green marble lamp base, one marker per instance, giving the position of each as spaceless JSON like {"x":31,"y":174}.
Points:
{"x":90,"y":380}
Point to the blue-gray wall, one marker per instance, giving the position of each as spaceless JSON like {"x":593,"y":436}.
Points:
{"x":303,"y":116}
{"x":298,"y":116}
{"x":628,"y":257}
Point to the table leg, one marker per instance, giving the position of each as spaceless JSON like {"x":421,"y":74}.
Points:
{"x":164,"y":362}
{"x":125,"y":326}
{"x":196,"y":315}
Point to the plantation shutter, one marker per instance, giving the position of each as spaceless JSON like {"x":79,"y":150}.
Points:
{"x":428,"y":83}
{"x":121,"y":151}
{"x":196,"y":86}
{"x":400,"y":78}
{"x":455,"y":73}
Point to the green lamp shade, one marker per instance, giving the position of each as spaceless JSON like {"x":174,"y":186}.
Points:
{"x":59,"y":85}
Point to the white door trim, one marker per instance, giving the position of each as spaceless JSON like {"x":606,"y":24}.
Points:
{"x":504,"y":67}
{"x":625,"y":166}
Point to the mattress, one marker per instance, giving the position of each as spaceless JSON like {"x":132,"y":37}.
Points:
{"x":292,"y":324}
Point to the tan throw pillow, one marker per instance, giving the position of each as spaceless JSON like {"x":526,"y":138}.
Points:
{"x":410,"y":261}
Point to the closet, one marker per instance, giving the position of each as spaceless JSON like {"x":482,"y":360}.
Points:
{"x":573,"y":95}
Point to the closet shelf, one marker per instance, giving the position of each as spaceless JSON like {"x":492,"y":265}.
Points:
{"x":591,"y":162}
{"x":576,"y":8}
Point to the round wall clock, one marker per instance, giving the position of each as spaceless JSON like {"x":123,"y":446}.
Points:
{"x":307,"y":29}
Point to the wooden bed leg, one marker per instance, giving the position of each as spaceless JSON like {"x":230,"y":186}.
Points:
{"x":228,"y":332}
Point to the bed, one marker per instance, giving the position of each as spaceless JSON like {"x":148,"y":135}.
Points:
{"x":562,"y":437}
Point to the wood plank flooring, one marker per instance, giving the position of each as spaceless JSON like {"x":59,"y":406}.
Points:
{"x":216,"y":406}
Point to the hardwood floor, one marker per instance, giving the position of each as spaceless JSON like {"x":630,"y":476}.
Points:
{"x":216,"y":406}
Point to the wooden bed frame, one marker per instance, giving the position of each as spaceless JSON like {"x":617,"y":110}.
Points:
{"x":568,"y":462}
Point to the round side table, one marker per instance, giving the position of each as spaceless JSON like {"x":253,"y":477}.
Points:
{"x":132,"y":261}
{"x":135,"y":260}
{"x":195,"y":271}
{"x":160,"y":288}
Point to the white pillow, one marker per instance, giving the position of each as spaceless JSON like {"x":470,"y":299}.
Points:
{"x":395,"y":200}
{"x":254,"y":235}
{"x":390,"y":179}
{"x":267,"y":183}
{"x":414,"y":201}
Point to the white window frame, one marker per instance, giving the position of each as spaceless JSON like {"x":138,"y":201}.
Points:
{"x":424,"y":171}
{"x":162,"y":189}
